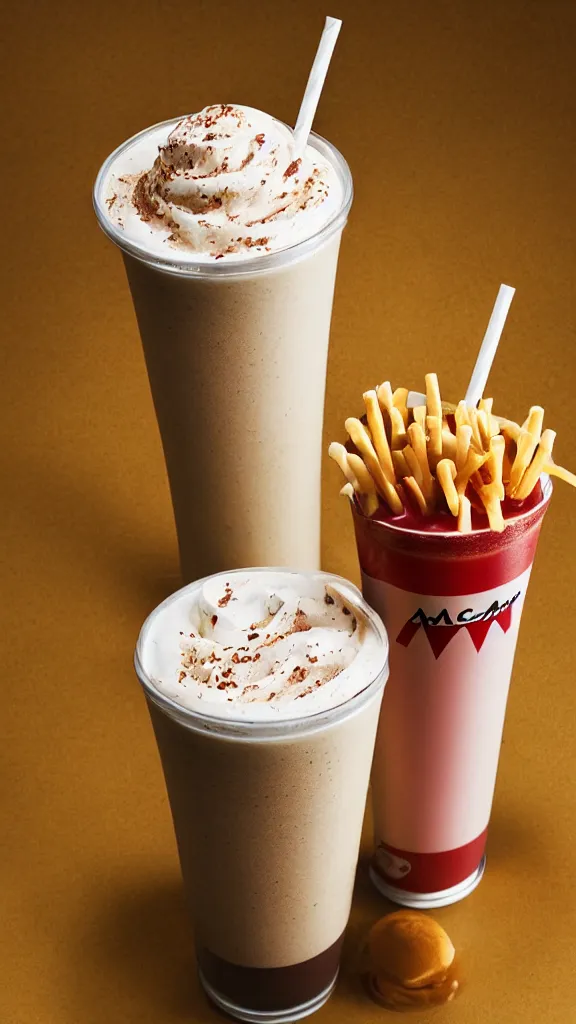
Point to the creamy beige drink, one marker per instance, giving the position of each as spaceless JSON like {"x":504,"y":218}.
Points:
{"x":264,"y":688}
{"x":231,"y":243}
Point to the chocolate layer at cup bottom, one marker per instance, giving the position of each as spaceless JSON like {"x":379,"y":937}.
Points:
{"x":271,"y":988}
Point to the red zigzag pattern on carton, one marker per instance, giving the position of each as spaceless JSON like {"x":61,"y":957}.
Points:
{"x":439,"y":635}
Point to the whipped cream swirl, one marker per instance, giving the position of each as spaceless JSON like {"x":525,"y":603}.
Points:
{"x":264,"y":645}
{"x":226,"y":183}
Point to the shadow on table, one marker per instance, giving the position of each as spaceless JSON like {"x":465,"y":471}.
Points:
{"x":134,"y":959}
{"x":515,"y":838}
{"x":367,"y":907}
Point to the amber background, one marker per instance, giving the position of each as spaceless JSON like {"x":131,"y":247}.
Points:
{"x":458,"y":119}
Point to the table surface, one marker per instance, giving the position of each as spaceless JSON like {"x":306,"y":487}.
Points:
{"x":458,"y":120}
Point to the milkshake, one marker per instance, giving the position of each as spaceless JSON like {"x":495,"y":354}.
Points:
{"x":264,"y":688}
{"x":448,"y":502}
{"x":230,"y":241}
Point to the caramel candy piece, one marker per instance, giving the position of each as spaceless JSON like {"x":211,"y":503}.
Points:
{"x":397,"y":997}
{"x":409,"y":949}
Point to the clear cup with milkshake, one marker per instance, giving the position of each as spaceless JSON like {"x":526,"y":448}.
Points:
{"x":229,"y":224}
{"x":264,"y":688}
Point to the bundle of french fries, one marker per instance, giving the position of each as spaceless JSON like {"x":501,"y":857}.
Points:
{"x":439,"y":457}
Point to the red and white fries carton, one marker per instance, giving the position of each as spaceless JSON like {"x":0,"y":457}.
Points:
{"x":451,"y":604}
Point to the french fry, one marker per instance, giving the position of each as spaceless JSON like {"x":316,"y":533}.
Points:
{"x":485,"y":405}
{"x":384,"y":392}
{"x":400,"y":464}
{"x":399,"y":436}
{"x":491,"y":503}
{"x":563,"y":474}
{"x":414,"y":468}
{"x":366,"y":484}
{"x":341,"y":457}
{"x":434,"y":431}
{"x":526,"y":445}
{"x":361,"y":438}
{"x":471,"y":466}
{"x":448,"y":444}
{"x":378,"y":431}
{"x":416,"y":491}
{"x":476,"y":437}
{"x":509,"y":428}
{"x":368,"y":502}
{"x":463,"y":439}
{"x":536,"y":467}
{"x":433,"y":400}
{"x":446,"y":474}
{"x":357,"y":476}
{"x":417,"y":439}
{"x":419,"y":414}
{"x":483,"y":428}
{"x":464,"y":515}
{"x":394,"y":499}
{"x":461,"y":414}
{"x":533,"y":422}
{"x":508,"y":460}
{"x":399,"y":400}
{"x":495,"y":465}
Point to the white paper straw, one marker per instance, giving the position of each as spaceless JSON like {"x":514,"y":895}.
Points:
{"x":415,"y":398}
{"x":488,"y":347}
{"x":315,"y":84}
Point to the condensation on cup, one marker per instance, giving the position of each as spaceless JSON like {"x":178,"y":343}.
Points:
{"x":452,"y":605}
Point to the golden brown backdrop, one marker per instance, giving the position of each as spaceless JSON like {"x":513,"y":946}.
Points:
{"x":458,"y":119}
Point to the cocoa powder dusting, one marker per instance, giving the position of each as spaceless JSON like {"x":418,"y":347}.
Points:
{"x":300,"y":624}
{"x":292,"y":168}
{"x":250,"y":243}
{"x":298,"y":675}
{"x":226,"y":597}
{"x":143,"y":201}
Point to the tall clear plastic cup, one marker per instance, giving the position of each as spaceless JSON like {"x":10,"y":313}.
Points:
{"x":268,"y":816}
{"x":236,"y":356}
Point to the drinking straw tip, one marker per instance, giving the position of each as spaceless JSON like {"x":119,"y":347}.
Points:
{"x":315,"y":83}
{"x":489,"y":345}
